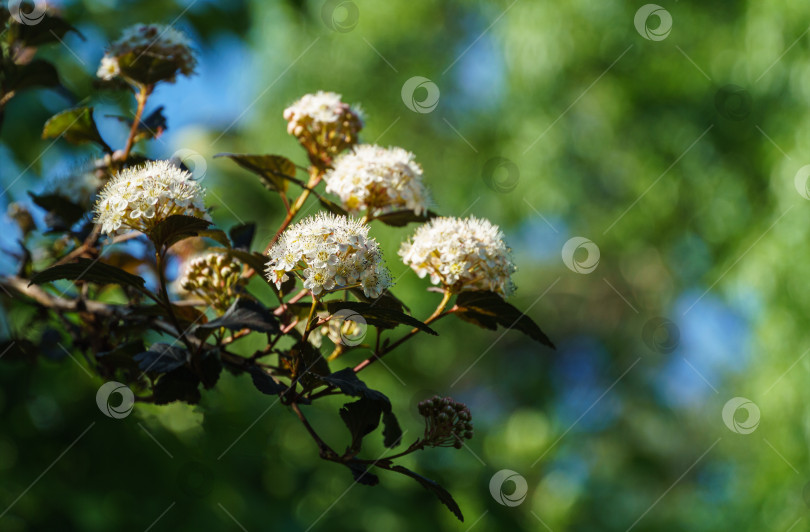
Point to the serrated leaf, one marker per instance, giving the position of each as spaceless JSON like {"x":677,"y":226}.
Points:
{"x":360,"y":473}
{"x":378,"y":315}
{"x":386,"y":300}
{"x":403,"y":218}
{"x":91,"y":271}
{"x":210,"y":369}
{"x":347,"y":381}
{"x":275,"y":171}
{"x":245,"y":314}
{"x":49,"y":29}
{"x":37,"y":73}
{"x":488,"y":310}
{"x":175,"y":228}
{"x":392,"y":432}
{"x":433,"y":486}
{"x":242,"y":235}
{"x":75,"y":125}
{"x":178,"y":385}
{"x":217,"y":235}
{"x":331,"y":206}
{"x":361,"y":418}
{"x":62,"y":213}
{"x":264,"y":382}
{"x":161,"y":358}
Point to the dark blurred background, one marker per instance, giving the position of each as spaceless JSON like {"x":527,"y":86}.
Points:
{"x":676,"y":154}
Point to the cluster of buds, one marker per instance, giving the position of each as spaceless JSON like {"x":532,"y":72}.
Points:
{"x":215,"y":278}
{"x":148,"y":53}
{"x":323,"y":124}
{"x":447,"y":422}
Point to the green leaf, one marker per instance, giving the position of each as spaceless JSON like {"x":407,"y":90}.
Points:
{"x":161,"y":358}
{"x":488,"y":310}
{"x":275,"y":171}
{"x":433,"y":486}
{"x":245,"y":314}
{"x":75,"y":125}
{"x":91,"y":271}
{"x":379,"y":315}
{"x":176,"y":228}
{"x":178,"y":385}
{"x":403,"y":218}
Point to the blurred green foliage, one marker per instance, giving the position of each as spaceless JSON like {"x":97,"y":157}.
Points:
{"x":629,"y":142}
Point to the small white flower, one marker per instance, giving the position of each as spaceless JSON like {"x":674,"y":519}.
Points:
{"x":109,"y":68}
{"x":330,"y":253}
{"x":138,"y":198}
{"x":461,"y":254}
{"x":378,"y":179}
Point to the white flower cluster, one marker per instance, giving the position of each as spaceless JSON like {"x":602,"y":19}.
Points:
{"x":323,"y":123}
{"x":145,"y":43}
{"x":214,"y":278}
{"x":378,"y":179}
{"x":461,"y":254}
{"x":138,"y":198}
{"x":330,"y":253}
